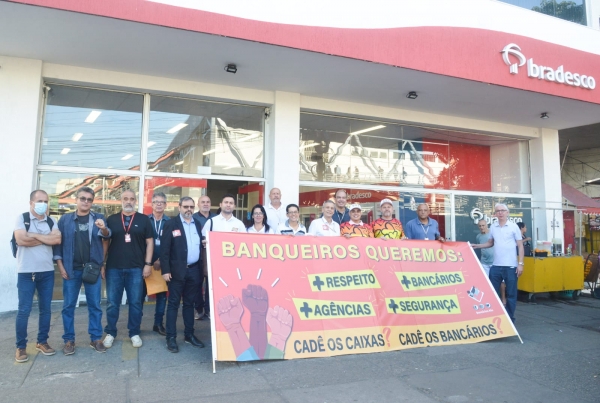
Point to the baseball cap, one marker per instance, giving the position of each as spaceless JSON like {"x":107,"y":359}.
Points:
{"x":384,"y":201}
{"x":355,"y":205}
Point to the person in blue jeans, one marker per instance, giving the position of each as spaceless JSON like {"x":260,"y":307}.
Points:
{"x":129,"y":262}
{"x":35,"y":233}
{"x":82,"y":234}
{"x":505,"y":236}
{"x":158,"y":220}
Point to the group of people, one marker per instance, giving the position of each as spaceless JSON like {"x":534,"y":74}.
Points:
{"x":128,"y":245}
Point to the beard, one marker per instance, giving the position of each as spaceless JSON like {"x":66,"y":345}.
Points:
{"x":128,"y":209}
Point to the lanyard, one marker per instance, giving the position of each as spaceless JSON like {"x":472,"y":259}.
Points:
{"x":130,"y":222}
{"x":425,"y":231}
{"x":157,"y":228}
{"x":337,"y":214}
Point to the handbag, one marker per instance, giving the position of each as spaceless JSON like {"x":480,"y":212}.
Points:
{"x":90,"y":274}
{"x":91,"y":270}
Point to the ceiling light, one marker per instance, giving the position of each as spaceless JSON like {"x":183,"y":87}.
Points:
{"x":209,"y":151}
{"x":126,"y":157}
{"x":76,"y":136}
{"x":370,"y":129}
{"x":412,"y":95}
{"x":231,"y":68}
{"x":544,"y":116}
{"x":92,"y":116}
{"x":65,"y":151}
{"x":151,"y":143}
{"x":179,"y":163}
{"x":176,"y":128}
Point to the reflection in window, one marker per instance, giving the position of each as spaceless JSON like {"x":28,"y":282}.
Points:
{"x":92,"y":128}
{"x":571,"y":10}
{"x":204,"y":138}
{"x":347,"y":150}
{"x":62,"y":188}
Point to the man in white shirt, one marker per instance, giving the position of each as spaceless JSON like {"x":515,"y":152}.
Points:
{"x":292,"y":225}
{"x":505,"y":236}
{"x":325,"y":226}
{"x":276,"y":213}
{"x":224,"y":222}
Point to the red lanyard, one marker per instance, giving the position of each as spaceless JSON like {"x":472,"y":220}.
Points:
{"x":130,"y":222}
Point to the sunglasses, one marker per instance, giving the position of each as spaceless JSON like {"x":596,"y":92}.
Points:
{"x":86,"y":199}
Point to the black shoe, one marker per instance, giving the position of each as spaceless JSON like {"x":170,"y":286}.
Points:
{"x":172,"y":345}
{"x":194,"y":341}
{"x":160,"y":329}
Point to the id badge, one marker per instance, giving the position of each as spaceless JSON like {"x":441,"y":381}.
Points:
{"x":127,"y":238}
{"x":157,"y":242}
{"x":426,"y":239}
{"x":234,"y":230}
{"x":325,"y":227}
{"x":176,"y":233}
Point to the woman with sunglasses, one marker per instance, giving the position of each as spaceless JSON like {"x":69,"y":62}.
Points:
{"x":258,"y":221}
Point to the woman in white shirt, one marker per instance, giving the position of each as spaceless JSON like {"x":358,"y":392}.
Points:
{"x":325,"y":226}
{"x":258,"y":221}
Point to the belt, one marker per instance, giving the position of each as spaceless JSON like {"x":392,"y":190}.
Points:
{"x":193,"y":265}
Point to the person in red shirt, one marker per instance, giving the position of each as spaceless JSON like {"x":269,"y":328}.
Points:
{"x":355,"y":227}
{"x":387,"y":226}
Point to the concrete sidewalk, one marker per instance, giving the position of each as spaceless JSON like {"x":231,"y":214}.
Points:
{"x":558,"y":362}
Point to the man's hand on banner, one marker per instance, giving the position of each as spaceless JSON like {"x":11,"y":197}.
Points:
{"x":280,"y":321}
{"x":256,"y":299}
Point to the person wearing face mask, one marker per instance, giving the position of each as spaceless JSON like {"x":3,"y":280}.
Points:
{"x":325,"y":226}
{"x":129,"y":262}
{"x":35,"y":233}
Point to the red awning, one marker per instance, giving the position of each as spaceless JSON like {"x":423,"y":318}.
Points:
{"x":580,"y":200}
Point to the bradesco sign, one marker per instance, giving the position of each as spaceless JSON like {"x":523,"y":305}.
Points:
{"x":558,"y":75}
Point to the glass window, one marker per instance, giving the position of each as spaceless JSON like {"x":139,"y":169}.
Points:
{"x":200,"y":137}
{"x":572,"y":10}
{"x":92,"y":128}
{"x":61,"y":189}
{"x":349,"y":150}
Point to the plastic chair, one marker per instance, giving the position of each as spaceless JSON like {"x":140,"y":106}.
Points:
{"x":591,"y":277}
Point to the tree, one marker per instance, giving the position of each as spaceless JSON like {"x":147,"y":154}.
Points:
{"x":566,"y":10}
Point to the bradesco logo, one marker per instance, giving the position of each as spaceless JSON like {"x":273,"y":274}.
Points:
{"x":354,"y":196}
{"x":545,"y":73}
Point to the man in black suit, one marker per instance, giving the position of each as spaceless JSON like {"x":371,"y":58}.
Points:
{"x":181,"y":269}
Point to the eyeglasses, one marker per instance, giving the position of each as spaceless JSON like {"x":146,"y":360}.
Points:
{"x":501,"y":211}
{"x":292,"y":212}
{"x":257,"y":214}
{"x":159,"y":202}
{"x":187,"y":207}
{"x":86,"y":199}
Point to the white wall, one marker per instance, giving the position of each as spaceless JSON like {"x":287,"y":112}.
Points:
{"x":281,"y":162}
{"x":546,"y":186}
{"x":20,"y":102}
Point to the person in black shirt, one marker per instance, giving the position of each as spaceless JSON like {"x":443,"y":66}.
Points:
{"x":202,"y":302}
{"x":129,"y":262}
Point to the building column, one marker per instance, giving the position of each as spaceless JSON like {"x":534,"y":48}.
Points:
{"x":592,"y":10}
{"x":20,"y":103}
{"x":281,"y":147}
{"x":546,"y":187}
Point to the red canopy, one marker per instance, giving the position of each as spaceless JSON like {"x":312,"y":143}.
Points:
{"x":580,"y":200}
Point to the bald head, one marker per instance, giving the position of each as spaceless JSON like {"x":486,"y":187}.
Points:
{"x":275,"y":197}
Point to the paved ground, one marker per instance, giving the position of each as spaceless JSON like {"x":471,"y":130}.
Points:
{"x":558,"y":362}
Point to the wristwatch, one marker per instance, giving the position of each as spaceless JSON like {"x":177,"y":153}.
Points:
{"x":148,"y":263}
{"x":521,"y":263}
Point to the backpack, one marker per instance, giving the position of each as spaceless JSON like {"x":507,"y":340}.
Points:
{"x":26,"y":218}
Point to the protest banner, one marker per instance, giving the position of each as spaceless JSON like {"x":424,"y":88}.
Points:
{"x":281,"y":297}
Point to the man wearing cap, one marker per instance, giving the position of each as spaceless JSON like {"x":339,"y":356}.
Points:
{"x":355,"y":227}
{"x":387,"y":226}
{"x":423,"y":227}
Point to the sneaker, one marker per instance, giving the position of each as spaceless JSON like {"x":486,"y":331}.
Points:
{"x":198,"y":316}
{"x":108,"y":341}
{"x":69,"y":348}
{"x":98,"y":346}
{"x":45,"y":349}
{"x":21,"y":355}
{"x":136,"y":341}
